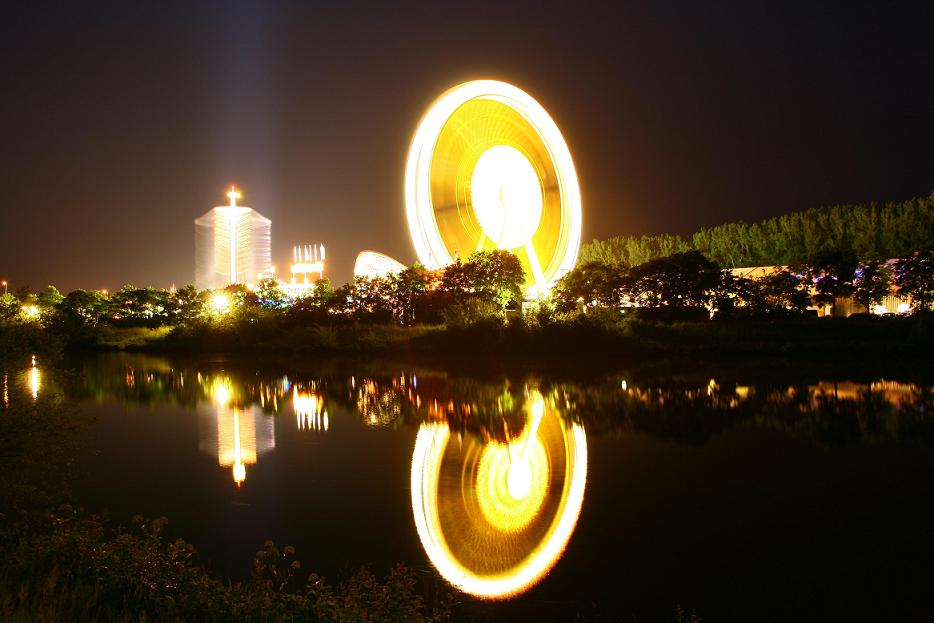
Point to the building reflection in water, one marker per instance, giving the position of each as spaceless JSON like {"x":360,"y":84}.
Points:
{"x":494,"y":517}
{"x":235,"y":434}
{"x":310,"y":413}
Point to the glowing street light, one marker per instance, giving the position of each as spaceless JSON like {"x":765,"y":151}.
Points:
{"x":30,"y":312}
{"x":4,"y":286}
{"x":220,"y":303}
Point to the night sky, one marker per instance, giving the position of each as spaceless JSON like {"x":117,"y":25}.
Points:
{"x":124,"y":122}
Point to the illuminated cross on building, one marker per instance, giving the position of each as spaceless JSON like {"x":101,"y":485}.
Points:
{"x":234,"y":195}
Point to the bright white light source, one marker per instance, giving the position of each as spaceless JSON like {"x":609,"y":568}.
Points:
{"x":506,"y":195}
{"x":220,"y":303}
{"x":519,"y":479}
{"x":879,"y":310}
{"x":221,"y":391}
{"x":904,"y":308}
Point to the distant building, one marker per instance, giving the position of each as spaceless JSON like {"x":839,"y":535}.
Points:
{"x":844,"y":306}
{"x":372,"y":265}
{"x":307,"y":269}
{"x":232,"y":245}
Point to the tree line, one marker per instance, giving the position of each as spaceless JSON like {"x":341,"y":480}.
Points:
{"x":690,"y":279}
{"x":484,"y":286}
{"x":819,"y":256}
{"x":866,"y":231}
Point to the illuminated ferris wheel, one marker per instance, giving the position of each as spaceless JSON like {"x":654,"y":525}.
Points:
{"x":489,"y":169}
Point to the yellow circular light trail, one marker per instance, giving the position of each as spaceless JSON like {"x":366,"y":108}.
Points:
{"x":499,"y":528}
{"x":511,"y":489}
{"x":488,"y":169}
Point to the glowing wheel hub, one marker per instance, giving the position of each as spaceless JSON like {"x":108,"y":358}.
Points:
{"x":506,"y":195}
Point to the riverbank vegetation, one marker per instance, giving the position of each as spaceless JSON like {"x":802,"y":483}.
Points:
{"x":627,"y":296}
{"x":877,"y":231}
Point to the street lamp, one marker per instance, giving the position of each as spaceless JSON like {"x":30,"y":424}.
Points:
{"x":4,"y":286}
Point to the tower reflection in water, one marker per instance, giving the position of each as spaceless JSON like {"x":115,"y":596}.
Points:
{"x":237,"y":435}
{"x":494,"y":517}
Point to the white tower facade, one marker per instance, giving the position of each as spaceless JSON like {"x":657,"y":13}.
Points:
{"x":232,"y":245}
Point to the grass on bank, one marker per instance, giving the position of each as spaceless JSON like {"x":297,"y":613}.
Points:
{"x":581,"y":337}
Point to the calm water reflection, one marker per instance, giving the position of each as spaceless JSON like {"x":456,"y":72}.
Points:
{"x":681,"y":489}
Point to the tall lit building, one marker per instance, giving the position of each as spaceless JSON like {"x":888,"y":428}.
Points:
{"x":232,"y":245}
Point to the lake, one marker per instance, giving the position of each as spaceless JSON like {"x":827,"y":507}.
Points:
{"x":741,"y":495}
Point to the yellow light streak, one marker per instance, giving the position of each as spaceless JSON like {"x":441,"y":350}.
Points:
{"x":239,"y":469}
{"x":34,"y":379}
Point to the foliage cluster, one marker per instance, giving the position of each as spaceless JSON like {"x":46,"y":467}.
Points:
{"x":72,"y":567}
{"x":690,"y":280}
{"x":870,"y":231}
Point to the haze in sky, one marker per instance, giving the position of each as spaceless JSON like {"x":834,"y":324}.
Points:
{"x":123,"y":122}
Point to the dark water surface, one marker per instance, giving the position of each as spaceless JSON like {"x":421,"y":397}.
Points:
{"x":615,"y":497}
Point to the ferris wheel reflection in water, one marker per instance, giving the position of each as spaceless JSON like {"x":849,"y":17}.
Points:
{"x":494,"y":517}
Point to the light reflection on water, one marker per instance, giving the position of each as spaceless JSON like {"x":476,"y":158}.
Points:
{"x":498,"y":468}
{"x":495,"y":516}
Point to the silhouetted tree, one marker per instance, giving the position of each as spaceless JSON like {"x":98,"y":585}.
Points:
{"x":832,"y":275}
{"x":785,"y":290}
{"x":914,"y":276}
{"x":589,"y":284}
{"x":872,"y":283}
{"x":683,"y":279}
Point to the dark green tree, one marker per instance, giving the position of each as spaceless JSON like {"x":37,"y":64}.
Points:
{"x":914,"y":276}
{"x":683,"y":279}
{"x":785,"y":290}
{"x":270,"y":295}
{"x":496,"y":274}
{"x":588,"y":285}
{"x":409,"y":291}
{"x":49,"y":298}
{"x":187,"y":304}
{"x":9,"y":307}
{"x":456,"y":278}
{"x":872,"y":283}
{"x":832,"y":275}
